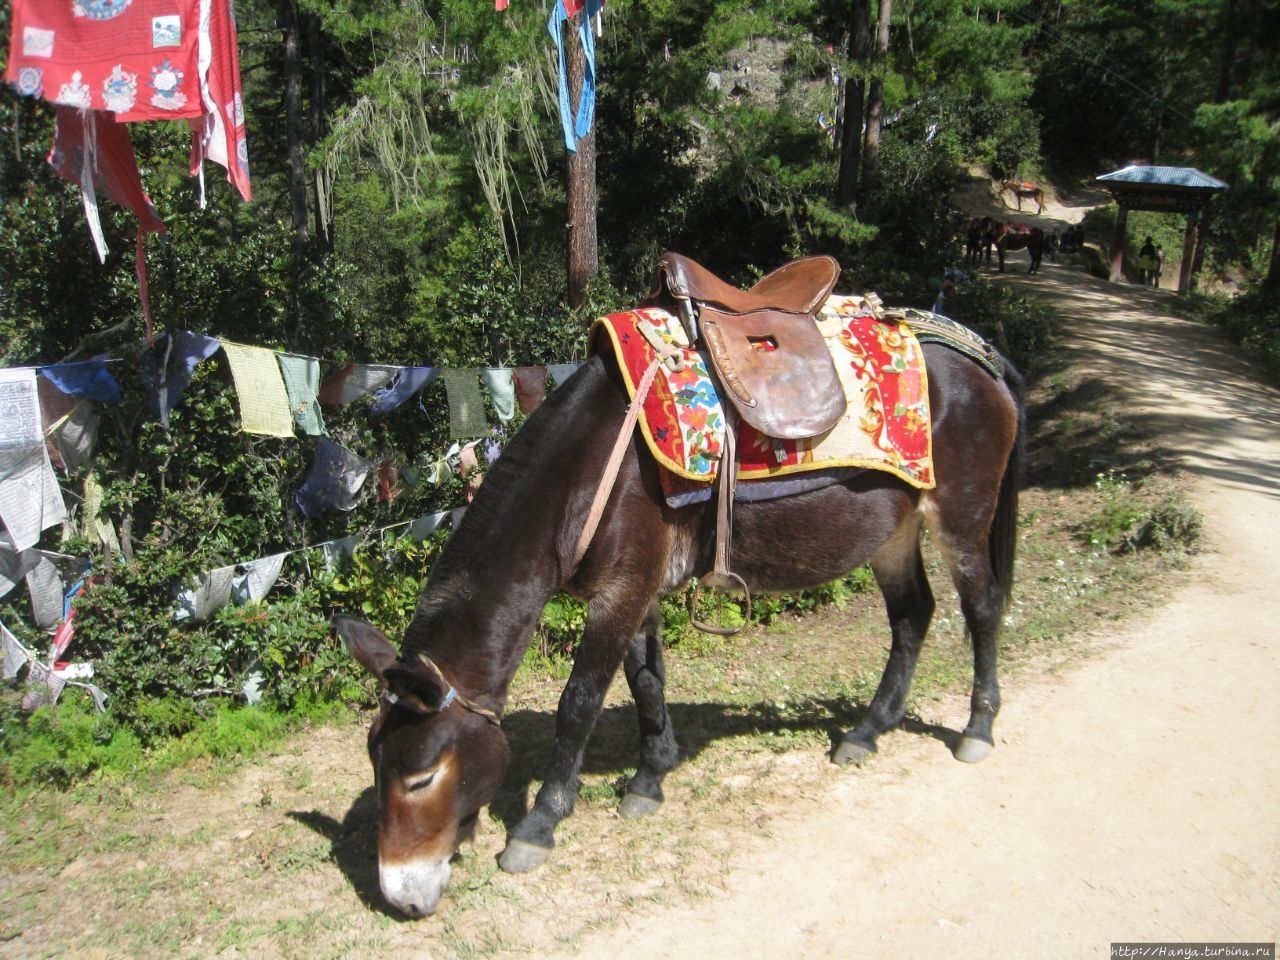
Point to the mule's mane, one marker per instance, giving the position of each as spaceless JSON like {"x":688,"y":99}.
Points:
{"x":502,"y":504}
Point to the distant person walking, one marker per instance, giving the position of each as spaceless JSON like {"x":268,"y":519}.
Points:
{"x":1148,"y":264}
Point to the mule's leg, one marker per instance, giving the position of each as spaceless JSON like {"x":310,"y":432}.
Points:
{"x":610,"y":628}
{"x":908,"y":599}
{"x":982,"y":603}
{"x":647,"y":676}
{"x":983,"y":607}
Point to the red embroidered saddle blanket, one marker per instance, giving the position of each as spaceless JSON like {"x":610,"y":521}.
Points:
{"x":885,"y":426}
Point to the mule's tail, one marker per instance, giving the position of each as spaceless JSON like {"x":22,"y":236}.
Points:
{"x":1002,"y":541}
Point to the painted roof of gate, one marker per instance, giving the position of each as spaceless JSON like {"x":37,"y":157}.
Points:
{"x":1186,"y":177}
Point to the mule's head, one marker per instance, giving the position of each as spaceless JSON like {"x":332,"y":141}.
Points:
{"x":436,"y":763}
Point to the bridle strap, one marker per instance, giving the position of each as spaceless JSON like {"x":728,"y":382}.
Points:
{"x":454,"y":696}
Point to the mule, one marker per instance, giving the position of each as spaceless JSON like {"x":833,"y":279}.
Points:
{"x":437,"y":746}
{"x":1024,"y":191}
{"x":979,"y":236}
{"x":1017,"y":236}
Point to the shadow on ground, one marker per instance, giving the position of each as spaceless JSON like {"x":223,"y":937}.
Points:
{"x":612,"y":752}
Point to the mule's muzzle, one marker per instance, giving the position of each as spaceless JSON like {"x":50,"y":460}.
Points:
{"x":414,"y":889}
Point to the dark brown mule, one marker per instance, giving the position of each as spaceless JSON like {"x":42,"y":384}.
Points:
{"x":438,"y":751}
{"x":979,"y":236}
{"x":1017,"y":236}
{"x":1024,"y":191}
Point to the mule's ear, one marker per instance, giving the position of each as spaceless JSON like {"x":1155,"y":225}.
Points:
{"x":417,"y":687}
{"x":367,"y":644}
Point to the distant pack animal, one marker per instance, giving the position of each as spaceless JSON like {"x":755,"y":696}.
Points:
{"x":1024,"y":190}
{"x":1019,"y":236}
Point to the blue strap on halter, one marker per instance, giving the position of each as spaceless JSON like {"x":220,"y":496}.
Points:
{"x":449,"y":697}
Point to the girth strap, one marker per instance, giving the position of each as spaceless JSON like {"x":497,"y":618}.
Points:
{"x":721,"y":577}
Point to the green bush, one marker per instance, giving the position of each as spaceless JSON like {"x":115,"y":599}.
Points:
{"x":1251,"y":320}
{"x":1128,"y":521}
{"x":1021,"y":326}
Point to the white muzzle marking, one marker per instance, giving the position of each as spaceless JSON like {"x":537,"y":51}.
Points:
{"x":415,"y":888}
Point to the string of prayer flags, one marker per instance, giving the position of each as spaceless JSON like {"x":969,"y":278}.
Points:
{"x":301,"y":377}
{"x":30,"y":498}
{"x":334,"y":481}
{"x":531,"y":388}
{"x":469,"y":469}
{"x":466,"y":404}
{"x":255,"y":579}
{"x":95,"y":527}
{"x":408,"y":382}
{"x":84,"y":378}
{"x":168,"y":366}
{"x":264,"y":404}
{"x":353,"y":381}
{"x":14,"y":566}
{"x":560,"y":372}
{"x":501,"y":384}
{"x":210,"y":594}
{"x":424,"y":527}
{"x":388,"y":481}
{"x":70,"y":426}
{"x":47,"y":583}
{"x":338,"y":552}
{"x":13,"y":655}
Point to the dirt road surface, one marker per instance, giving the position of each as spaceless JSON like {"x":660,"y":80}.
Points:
{"x":1131,"y":798}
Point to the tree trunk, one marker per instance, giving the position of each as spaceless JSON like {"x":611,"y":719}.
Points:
{"x":1271,"y":282}
{"x":875,"y":97}
{"x":290,"y":30}
{"x":580,"y":170}
{"x":1222,"y":92}
{"x":297,"y":172}
{"x":321,"y":187}
{"x":855,"y":90}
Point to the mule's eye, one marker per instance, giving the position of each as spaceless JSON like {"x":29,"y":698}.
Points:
{"x":419,"y":781}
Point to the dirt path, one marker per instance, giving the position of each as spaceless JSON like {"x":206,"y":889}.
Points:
{"x":1131,"y":799}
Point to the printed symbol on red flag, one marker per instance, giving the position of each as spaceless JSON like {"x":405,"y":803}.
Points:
{"x":120,"y":90}
{"x":75,"y":93}
{"x":99,"y":9}
{"x":31,"y":82}
{"x":37,"y":42}
{"x":166,"y":81}
{"x":166,"y":31}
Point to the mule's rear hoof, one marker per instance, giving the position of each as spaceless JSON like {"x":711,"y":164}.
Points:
{"x":634,"y":806}
{"x":521,"y":857}
{"x":973,"y":750}
{"x":852,"y":751}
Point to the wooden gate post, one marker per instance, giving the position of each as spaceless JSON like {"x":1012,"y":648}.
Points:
{"x":1189,"y":241}
{"x":1117,"y":246}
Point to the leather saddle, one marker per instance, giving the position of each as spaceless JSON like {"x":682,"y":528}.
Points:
{"x":763,"y":343}
{"x":764,"y":347}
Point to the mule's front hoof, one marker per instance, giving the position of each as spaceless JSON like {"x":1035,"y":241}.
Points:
{"x":521,"y":857}
{"x":634,"y":806}
{"x":973,"y":749}
{"x":852,"y":751}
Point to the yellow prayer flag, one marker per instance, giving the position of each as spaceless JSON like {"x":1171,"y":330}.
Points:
{"x":264,"y":404}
